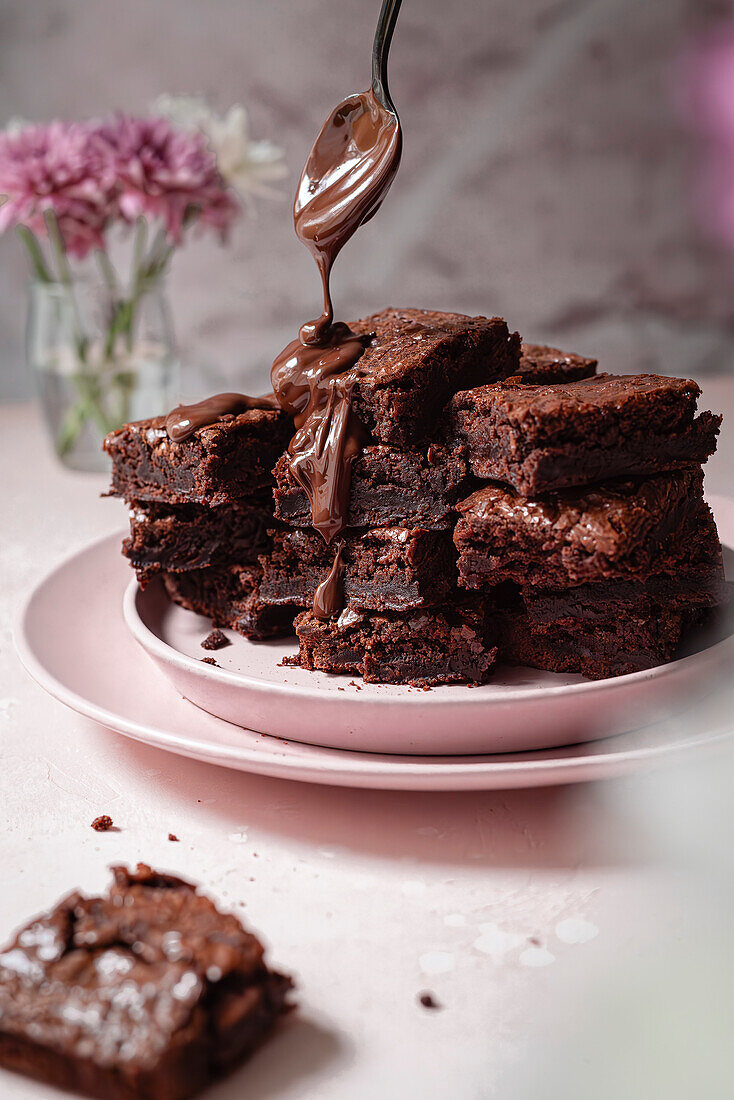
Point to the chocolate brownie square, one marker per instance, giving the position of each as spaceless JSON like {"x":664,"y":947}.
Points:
{"x":605,"y":645}
{"x":699,"y":584}
{"x":439,"y":646}
{"x":617,"y":531}
{"x":228,"y":461}
{"x":385,"y":568}
{"x":147,"y":992}
{"x":416,"y":360}
{"x":229,"y":595}
{"x":540,"y":363}
{"x":389,"y":487}
{"x":173,"y":538}
{"x":557,"y":435}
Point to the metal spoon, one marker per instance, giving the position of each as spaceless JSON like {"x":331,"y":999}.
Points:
{"x":380,"y":49}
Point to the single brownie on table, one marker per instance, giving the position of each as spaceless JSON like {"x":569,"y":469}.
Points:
{"x":389,"y":487}
{"x":384,"y":568}
{"x":230,"y":596}
{"x":451,"y":644}
{"x":540,"y":363}
{"x":145,"y":993}
{"x":556,"y":435}
{"x":613,"y":645}
{"x":417,"y":360}
{"x":617,"y":531}
{"x":228,"y":461}
{"x":173,"y":538}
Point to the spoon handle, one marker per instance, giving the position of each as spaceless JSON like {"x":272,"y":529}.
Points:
{"x":383,"y":37}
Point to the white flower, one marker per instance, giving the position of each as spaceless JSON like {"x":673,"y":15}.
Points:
{"x":250,"y":167}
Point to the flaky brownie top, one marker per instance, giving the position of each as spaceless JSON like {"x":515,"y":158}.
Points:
{"x":607,"y":519}
{"x":607,"y":405}
{"x":405,"y":338}
{"x":542,"y":363}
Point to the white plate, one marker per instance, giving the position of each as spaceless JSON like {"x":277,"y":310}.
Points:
{"x":72,"y":639}
{"x":519,"y":710}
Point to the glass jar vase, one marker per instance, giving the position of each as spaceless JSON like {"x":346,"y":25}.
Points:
{"x":99,"y":362}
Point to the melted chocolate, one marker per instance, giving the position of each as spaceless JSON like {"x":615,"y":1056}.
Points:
{"x":329,"y":596}
{"x":185,"y":419}
{"x":346,"y":177}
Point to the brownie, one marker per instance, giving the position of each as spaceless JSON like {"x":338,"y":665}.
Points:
{"x":618,"y":531}
{"x":451,"y":644}
{"x":692,"y":585}
{"x":223,"y":462}
{"x":389,"y":487}
{"x":557,"y":435}
{"x":173,"y":538}
{"x":229,"y":595}
{"x":611,"y":645}
{"x":417,"y":360}
{"x":385,"y":568}
{"x":145,"y":993}
{"x":540,"y":363}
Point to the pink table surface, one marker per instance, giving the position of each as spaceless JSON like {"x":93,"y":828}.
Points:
{"x":491,"y":901}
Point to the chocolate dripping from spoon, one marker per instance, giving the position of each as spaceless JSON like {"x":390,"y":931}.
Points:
{"x":346,"y":177}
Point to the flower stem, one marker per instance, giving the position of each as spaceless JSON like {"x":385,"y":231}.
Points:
{"x":108,"y":272}
{"x":38,"y":261}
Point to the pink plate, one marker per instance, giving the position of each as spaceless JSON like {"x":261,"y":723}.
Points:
{"x":73,"y":641}
{"x":521,"y":709}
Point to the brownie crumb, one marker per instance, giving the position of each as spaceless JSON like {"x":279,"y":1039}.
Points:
{"x":103,"y":823}
{"x":429,"y":1001}
{"x":209,"y":661}
{"x":216,"y":640}
{"x":172,"y":836}
{"x":534,"y":940}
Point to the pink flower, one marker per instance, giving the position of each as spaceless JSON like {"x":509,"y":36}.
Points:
{"x":63,"y":167}
{"x":167,"y":174}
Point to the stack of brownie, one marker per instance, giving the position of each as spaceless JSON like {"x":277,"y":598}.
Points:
{"x":200,"y":511}
{"x":509,"y":503}
{"x":401,"y":619}
{"x":592,"y":544}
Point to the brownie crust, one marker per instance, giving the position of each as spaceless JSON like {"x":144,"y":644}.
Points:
{"x":417,"y":360}
{"x":543,"y":437}
{"x":440,"y":646}
{"x":222,"y":463}
{"x":385,"y":568}
{"x":145,"y":993}
{"x":390,"y":487}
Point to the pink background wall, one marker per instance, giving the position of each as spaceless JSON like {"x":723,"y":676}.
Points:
{"x":545,"y":175}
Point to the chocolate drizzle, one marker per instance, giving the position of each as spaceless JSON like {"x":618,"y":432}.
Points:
{"x":185,"y":419}
{"x":329,"y":596}
{"x":346,"y":177}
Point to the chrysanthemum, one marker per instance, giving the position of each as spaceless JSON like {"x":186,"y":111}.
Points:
{"x":61,"y":167}
{"x":168,"y":174}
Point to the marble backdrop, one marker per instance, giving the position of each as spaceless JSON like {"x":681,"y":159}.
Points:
{"x":545,"y":174}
